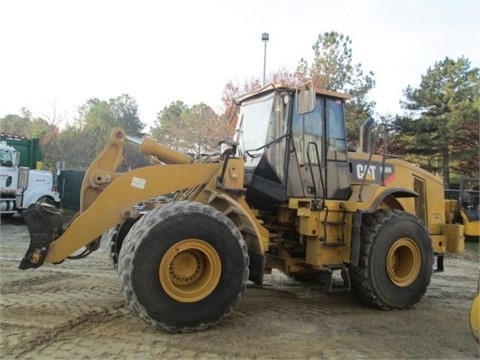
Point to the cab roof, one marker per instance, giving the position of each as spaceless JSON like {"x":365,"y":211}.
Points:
{"x":271,"y":87}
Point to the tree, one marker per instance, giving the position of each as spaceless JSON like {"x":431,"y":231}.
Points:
{"x":169,"y":127}
{"x":124,"y":112}
{"x":206,"y":129}
{"x":333,"y":69}
{"x":81,"y":141}
{"x":196,"y":130}
{"x":15,"y":125}
{"x":25,"y":125}
{"x":69,"y":147}
{"x":445,"y":109}
{"x":102,"y":115}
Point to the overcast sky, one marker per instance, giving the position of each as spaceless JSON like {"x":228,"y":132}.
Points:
{"x":59,"y":54}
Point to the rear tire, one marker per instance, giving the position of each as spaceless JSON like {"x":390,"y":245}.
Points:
{"x":183,"y":267}
{"x":396,"y":260}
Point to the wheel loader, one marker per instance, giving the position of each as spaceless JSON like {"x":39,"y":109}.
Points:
{"x":286,"y":192}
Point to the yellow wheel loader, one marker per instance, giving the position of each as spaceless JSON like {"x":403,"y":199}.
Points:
{"x":286,"y":193}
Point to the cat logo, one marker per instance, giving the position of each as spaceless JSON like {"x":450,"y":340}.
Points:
{"x":366,"y":171}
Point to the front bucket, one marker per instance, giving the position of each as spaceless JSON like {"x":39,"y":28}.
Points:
{"x":44,"y":225}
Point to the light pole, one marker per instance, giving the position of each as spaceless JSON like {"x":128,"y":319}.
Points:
{"x":265,"y":38}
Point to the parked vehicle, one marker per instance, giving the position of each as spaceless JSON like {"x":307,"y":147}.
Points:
{"x":463,"y":206}
{"x":22,"y":186}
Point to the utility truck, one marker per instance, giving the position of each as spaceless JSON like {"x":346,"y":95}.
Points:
{"x":21,"y":186}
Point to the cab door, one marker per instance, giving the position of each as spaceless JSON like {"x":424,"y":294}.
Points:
{"x":317,"y":161}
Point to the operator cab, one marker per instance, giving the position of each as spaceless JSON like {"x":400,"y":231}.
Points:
{"x":294,"y":144}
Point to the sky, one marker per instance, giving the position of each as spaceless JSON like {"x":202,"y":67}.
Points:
{"x":55,"y":54}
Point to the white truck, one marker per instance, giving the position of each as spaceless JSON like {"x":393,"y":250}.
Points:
{"x":21,"y":186}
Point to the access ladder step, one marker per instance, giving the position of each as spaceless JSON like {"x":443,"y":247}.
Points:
{"x":336,"y":286}
{"x":334,"y":223}
{"x":334,"y":244}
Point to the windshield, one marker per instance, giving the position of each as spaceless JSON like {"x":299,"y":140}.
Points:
{"x":6,"y":158}
{"x":261,"y":131}
{"x":252,"y":128}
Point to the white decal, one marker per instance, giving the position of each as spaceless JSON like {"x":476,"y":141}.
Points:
{"x":362,"y":169}
{"x":138,"y":183}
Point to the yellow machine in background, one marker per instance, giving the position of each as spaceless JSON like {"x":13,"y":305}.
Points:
{"x":463,"y":206}
{"x":286,"y":193}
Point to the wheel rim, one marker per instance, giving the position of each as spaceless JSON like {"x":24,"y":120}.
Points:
{"x":190,"y":270}
{"x":403,"y":262}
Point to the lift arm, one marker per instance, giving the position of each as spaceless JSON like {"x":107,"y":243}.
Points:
{"x":107,"y":198}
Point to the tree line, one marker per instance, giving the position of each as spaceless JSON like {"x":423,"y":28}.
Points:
{"x":440,"y":131}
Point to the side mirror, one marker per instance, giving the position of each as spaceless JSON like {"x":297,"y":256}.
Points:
{"x":305,"y":98}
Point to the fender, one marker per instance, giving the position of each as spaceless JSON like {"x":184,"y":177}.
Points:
{"x":390,"y":196}
{"x":254,"y":234}
{"x":33,"y":196}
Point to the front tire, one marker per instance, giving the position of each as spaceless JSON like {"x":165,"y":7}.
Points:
{"x":115,"y":238}
{"x":396,"y":260}
{"x":183,"y":267}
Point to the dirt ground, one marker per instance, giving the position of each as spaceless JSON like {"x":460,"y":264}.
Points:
{"x":76,"y":311}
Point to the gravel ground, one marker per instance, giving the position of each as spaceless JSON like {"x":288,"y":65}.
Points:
{"x":75,"y":310}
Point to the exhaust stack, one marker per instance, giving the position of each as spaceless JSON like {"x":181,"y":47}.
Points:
{"x":365,"y":135}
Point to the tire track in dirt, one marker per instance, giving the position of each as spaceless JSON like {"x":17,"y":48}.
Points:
{"x":29,"y":284}
{"x":70,"y":328}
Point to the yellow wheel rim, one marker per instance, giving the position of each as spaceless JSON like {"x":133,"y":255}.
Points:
{"x":190,"y":270}
{"x":403,"y":262}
